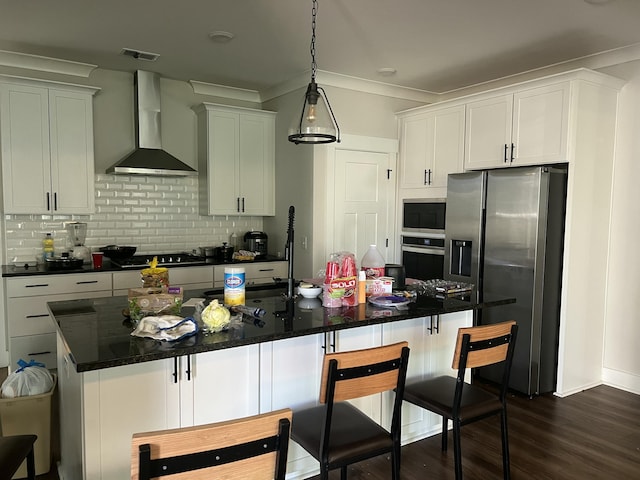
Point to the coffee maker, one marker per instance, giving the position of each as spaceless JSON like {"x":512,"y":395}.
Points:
{"x":77,"y":232}
{"x":256,"y":242}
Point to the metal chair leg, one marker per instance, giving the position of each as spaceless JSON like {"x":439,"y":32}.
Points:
{"x":343,"y":473}
{"x":457,"y":451}
{"x":445,"y":425}
{"x":505,"y":445}
{"x":31,"y":465}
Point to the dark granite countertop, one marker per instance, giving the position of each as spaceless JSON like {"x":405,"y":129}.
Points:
{"x":99,"y":336}
{"x":41,"y":269}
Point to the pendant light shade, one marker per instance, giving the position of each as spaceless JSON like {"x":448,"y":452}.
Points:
{"x":316,"y":123}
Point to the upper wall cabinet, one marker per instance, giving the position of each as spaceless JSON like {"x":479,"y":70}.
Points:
{"x":523,"y":128}
{"x":46,"y":132}
{"x":431,"y":147}
{"x":236,"y":160}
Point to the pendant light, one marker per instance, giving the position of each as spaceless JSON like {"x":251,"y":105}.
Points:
{"x":316,"y":124}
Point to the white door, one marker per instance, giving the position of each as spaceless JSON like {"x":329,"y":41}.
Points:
{"x":362,"y":196}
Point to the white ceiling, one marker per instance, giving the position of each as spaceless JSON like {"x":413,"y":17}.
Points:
{"x":435,"y":45}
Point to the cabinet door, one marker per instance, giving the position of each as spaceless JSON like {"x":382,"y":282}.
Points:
{"x":222,"y":158}
{"x":540,"y":125}
{"x":227,"y":379}
{"x":416,"y":137}
{"x":488,"y":133}
{"x":72,"y":164}
{"x":256,"y":164}
{"x":24,"y":139}
{"x":448,"y":144}
{"x":120,"y":401}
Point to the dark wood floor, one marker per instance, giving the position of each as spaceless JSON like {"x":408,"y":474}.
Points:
{"x":591,"y":435}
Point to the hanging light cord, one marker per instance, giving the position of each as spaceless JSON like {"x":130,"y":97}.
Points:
{"x":314,"y":10}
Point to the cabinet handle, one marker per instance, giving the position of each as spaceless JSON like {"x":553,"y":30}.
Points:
{"x":188,"y":371}
{"x":48,"y":201}
{"x":512,"y":147}
{"x":237,"y":204}
{"x":86,"y":282}
{"x":55,"y":201}
{"x":430,"y":327}
{"x":424,"y":182}
{"x":437,"y":323}
{"x":429,"y":182}
{"x":39,"y":353}
{"x":37,"y":285}
{"x":266,"y":270}
{"x":505,"y":153}
{"x":175,"y":370}
{"x":242,"y":204}
{"x":40,"y":315}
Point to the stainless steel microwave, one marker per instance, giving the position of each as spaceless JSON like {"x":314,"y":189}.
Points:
{"x":423,"y":215}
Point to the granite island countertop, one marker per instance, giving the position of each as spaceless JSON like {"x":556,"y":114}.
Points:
{"x":98,"y":335}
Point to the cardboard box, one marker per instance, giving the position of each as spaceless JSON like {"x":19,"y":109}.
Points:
{"x":379,"y":286}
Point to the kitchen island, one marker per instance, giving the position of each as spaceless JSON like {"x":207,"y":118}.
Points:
{"x":113,"y":385}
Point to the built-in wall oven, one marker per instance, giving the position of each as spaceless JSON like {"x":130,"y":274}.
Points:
{"x":423,"y":238}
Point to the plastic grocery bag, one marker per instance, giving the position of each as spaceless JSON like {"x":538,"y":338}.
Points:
{"x":30,"y":379}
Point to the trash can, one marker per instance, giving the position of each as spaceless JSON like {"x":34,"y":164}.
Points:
{"x":30,"y":415}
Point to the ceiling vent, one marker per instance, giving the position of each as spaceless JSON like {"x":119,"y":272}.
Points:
{"x":139,"y":55}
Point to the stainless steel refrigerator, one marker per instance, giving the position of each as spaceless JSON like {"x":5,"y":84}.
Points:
{"x":504,"y":233}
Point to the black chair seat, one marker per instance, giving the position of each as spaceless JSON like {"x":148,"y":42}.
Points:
{"x":354,"y":436}
{"x":437,"y":395}
{"x":13,"y":451}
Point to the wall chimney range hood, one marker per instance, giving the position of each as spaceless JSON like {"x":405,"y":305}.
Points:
{"x":148,"y":158}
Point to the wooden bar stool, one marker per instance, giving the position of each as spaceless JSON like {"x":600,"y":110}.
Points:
{"x":13,"y":451}
{"x":336,"y":433}
{"x":253,"y":447}
{"x":462,"y":402}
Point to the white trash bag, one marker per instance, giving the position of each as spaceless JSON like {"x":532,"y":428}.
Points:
{"x":30,"y":379}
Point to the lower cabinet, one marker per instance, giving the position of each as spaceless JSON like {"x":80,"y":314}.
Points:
{"x":31,"y":329}
{"x":106,"y":407}
{"x":100,"y":410}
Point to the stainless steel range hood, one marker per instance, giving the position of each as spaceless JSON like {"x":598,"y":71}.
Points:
{"x":148,"y":158}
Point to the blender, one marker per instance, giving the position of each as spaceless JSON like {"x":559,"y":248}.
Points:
{"x":77,"y":232}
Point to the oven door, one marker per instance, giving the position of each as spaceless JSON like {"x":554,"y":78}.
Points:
{"x":423,"y":263}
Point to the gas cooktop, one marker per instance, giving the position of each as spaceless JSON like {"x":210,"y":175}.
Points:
{"x":164,"y":260}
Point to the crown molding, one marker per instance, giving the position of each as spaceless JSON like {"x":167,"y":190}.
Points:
{"x":211,"y":89}
{"x":324,"y":78}
{"x":45,"y":64}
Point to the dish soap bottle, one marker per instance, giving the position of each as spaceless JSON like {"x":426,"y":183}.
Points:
{"x":47,"y":246}
{"x":373,"y":263}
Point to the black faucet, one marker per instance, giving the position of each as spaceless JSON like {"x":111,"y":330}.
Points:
{"x":288,"y":253}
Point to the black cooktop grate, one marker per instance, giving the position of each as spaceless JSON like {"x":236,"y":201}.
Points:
{"x":164,"y":260}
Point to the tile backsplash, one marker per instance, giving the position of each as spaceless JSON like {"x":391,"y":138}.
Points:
{"x":156,"y":214}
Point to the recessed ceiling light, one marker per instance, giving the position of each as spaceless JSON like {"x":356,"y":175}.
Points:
{"x":386,"y":71}
{"x":220,"y":36}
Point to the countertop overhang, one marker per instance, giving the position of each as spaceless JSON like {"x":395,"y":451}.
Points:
{"x":98,"y":335}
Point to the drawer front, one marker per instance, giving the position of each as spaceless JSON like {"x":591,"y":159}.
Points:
{"x":202,"y":276}
{"x":40,"y":348}
{"x":56,"y":284}
{"x":260,"y":272}
{"x":30,"y":316}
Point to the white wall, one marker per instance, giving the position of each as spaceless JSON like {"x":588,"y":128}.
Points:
{"x":621,"y":362}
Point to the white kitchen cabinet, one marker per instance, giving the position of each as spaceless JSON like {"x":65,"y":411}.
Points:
{"x":527,"y":127}
{"x":106,"y":407}
{"x":189,"y":278}
{"x":254,"y":273}
{"x":46,"y":132}
{"x":236,"y":160}
{"x":31,"y":329}
{"x":431,"y":147}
